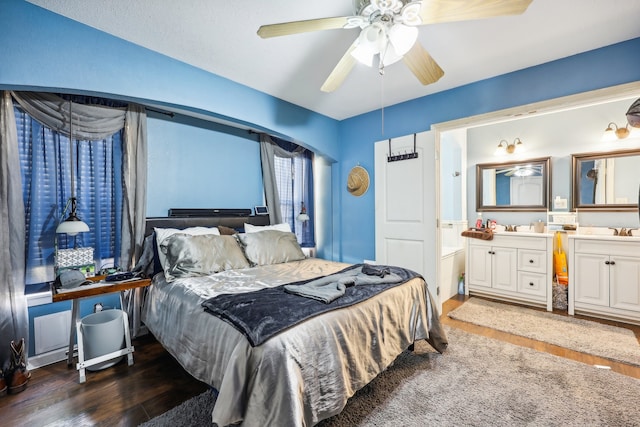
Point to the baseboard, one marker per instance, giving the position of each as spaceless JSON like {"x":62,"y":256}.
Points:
{"x":49,"y":358}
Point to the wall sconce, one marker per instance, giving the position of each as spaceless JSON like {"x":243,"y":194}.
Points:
{"x":505,"y":147}
{"x":613,"y":132}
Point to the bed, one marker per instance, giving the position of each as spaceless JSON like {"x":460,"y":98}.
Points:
{"x":301,"y":375}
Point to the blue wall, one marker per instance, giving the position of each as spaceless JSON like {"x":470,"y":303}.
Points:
{"x":219,"y":165}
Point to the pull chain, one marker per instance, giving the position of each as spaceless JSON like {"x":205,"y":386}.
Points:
{"x":381,"y":70}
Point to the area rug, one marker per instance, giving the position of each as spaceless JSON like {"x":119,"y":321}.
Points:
{"x":581,"y":335}
{"x":478,"y":381}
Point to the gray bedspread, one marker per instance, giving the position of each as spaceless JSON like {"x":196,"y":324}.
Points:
{"x":262,"y":314}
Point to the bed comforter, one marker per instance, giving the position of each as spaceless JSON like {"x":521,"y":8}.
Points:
{"x":302,"y":375}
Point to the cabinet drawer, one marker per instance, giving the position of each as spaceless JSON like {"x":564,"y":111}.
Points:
{"x":607,"y":247}
{"x":532,"y":283}
{"x":512,"y":240}
{"x":532,"y":260}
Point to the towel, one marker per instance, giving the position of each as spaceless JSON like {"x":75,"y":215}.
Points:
{"x":329,"y":288}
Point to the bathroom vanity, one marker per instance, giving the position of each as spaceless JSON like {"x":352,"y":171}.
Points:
{"x":513,"y":266}
{"x":604,"y":277}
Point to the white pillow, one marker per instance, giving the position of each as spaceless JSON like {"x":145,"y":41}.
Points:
{"x":163,"y":233}
{"x":249,"y":228}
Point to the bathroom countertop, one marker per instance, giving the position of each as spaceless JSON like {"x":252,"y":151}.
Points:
{"x":610,"y":237}
{"x":523,"y":233}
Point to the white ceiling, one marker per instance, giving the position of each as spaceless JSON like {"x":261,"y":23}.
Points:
{"x":220,"y":37}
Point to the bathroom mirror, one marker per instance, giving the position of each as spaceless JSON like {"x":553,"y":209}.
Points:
{"x":605,"y":181}
{"x":521,"y":185}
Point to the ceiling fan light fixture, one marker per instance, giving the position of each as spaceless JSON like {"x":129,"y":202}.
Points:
{"x":363,"y":55}
{"x":389,"y":56}
{"x":402,"y":38}
{"x":411,"y":13}
{"x":524,"y":171}
{"x":388,"y":6}
{"x":370,"y":43}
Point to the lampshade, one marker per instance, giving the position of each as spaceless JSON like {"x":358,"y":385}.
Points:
{"x":72,"y":225}
{"x":303,"y":216}
{"x":517,"y":146}
{"x":370,"y":42}
{"x":391,"y":43}
{"x":402,"y":38}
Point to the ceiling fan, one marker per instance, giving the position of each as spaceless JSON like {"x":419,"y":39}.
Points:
{"x":388,"y":32}
{"x":521,"y":170}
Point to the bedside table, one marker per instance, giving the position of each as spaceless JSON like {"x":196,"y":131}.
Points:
{"x":99,"y":287}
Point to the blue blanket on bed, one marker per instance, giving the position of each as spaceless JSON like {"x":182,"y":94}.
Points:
{"x":262,"y":314}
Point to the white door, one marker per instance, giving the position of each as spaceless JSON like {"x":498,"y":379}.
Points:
{"x":406,"y":232}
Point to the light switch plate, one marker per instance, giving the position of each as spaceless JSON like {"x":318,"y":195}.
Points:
{"x":559,"y":203}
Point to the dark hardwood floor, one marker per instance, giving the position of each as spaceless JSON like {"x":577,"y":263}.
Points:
{"x":121,"y":395}
{"x":129,"y":395}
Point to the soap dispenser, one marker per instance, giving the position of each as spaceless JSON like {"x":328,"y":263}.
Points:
{"x":479,"y":220}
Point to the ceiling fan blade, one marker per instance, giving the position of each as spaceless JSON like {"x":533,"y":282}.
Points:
{"x":422,"y":65}
{"x":340,"y":72}
{"x":435,"y":11}
{"x":295,"y":27}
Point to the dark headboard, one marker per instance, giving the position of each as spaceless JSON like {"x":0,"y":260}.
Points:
{"x":236,"y":222}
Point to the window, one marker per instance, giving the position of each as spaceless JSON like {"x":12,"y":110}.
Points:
{"x":46,"y":184}
{"x":295,"y":185}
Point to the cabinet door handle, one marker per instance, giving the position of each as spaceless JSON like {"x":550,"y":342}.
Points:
{"x":530,"y":283}
{"x":612,"y":263}
{"x":530,"y":261}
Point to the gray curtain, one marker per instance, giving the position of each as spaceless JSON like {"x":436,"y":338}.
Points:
{"x":269,"y":149}
{"x":134,"y":207}
{"x":14,"y":320}
{"x":95,"y":122}
{"x":91,"y":122}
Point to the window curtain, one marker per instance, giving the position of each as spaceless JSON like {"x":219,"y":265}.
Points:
{"x":288,"y":181}
{"x":97,"y":122}
{"x":14,"y":320}
{"x":269,"y":149}
{"x":134,"y":209}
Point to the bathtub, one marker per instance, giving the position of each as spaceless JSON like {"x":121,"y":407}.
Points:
{"x":452,"y":257}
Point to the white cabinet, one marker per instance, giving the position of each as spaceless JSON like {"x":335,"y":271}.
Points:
{"x":512,"y":266}
{"x":605,"y":278}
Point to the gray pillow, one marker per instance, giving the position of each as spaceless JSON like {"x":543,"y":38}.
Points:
{"x":201,"y":255}
{"x":270,"y":247}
